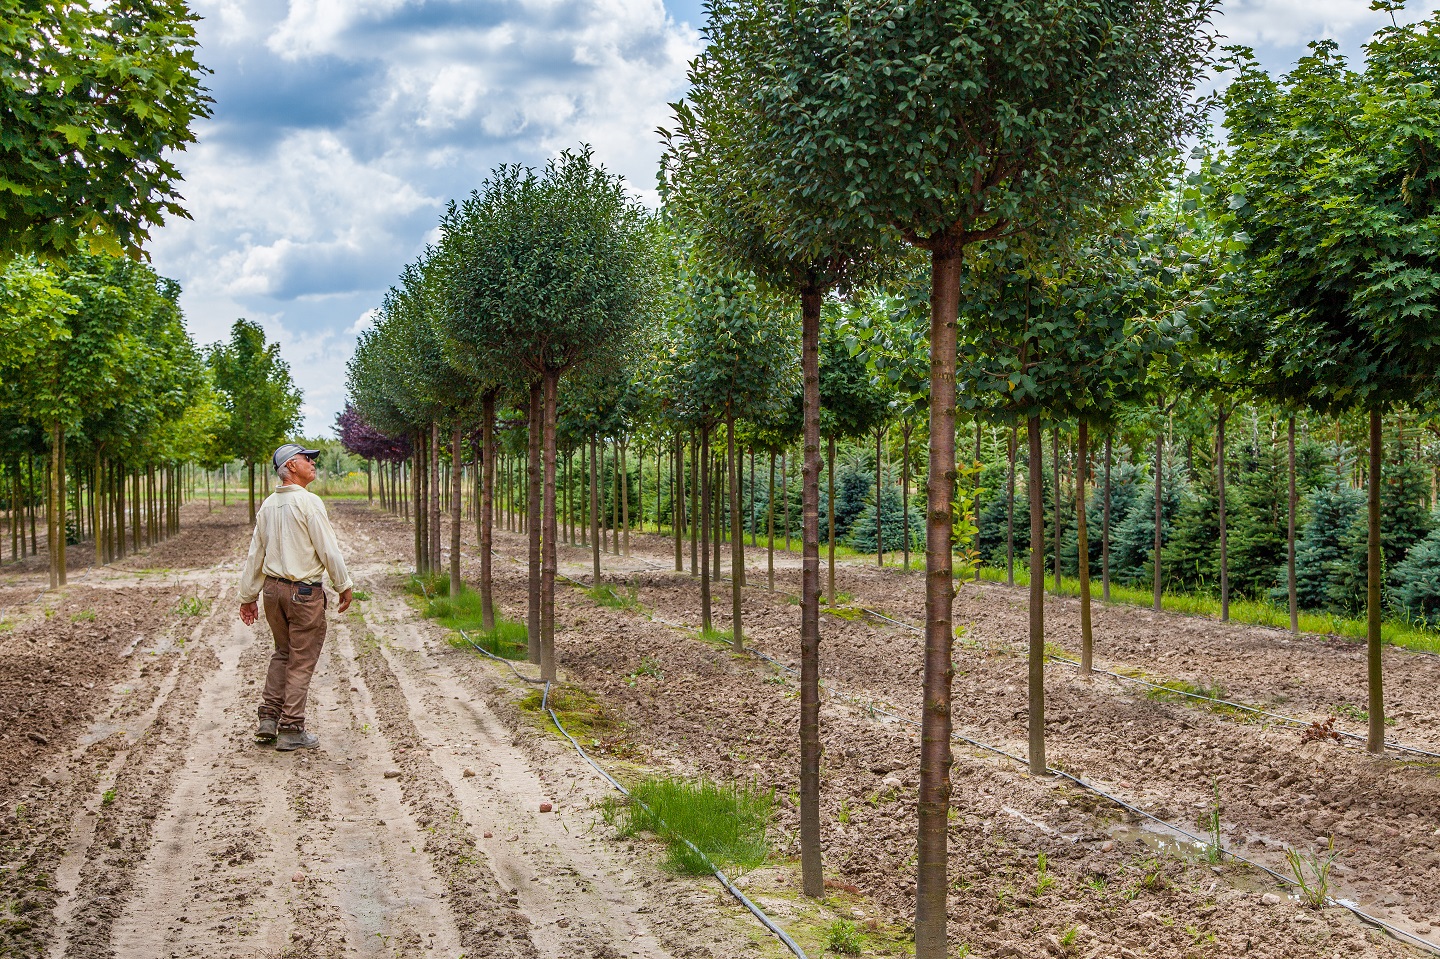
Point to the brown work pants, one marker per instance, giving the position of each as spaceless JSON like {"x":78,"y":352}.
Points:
{"x":298,"y":624}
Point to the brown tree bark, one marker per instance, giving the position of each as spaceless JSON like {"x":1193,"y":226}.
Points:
{"x":1036,"y":676}
{"x":1010,"y":506}
{"x":533,"y":524}
{"x":1159,"y":513}
{"x":879,"y":538}
{"x":697,"y":518}
{"x":677,"y":501}
{"x":932,"y":847}
{"x":1375,"y":742}
{"x":830,"y":513}
{"x":1224,"y":530}
{"x":704,"y":524}
{"x":905,"y":431}
{"x":594,"y":512}
{"x":770,"y":526}
{"x":548,"y":563}
{"x":1289,"y":539}
{"x":1082,"y":542}
{"x":1105,"y":529}
{"x":487,"y":508}
{"x":811,"y":866}
{"x":1059,"y":521}
{"x":737,"y":538}
{"x":457,"y":500}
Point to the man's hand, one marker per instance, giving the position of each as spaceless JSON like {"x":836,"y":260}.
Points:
{"x":345,"y":598}
{"x":249,"y":612}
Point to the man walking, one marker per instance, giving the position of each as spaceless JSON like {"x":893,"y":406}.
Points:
{"x":292,"y":546}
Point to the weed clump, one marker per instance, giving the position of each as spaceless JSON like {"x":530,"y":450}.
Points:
{"x":842,"y":937}
{"x":725,"y":823}
{"x":607,"y":595}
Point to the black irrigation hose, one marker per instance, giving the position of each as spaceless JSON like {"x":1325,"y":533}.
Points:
{"x":744,"y":900}
{"x":1091,"y":787}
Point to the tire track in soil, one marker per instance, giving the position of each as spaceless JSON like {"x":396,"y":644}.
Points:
{"x":538,"y":857}
{"x":489,"y":920}
{"x":245,"y":821}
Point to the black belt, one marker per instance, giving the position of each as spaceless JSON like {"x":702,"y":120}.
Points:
{"x":291,"y":582}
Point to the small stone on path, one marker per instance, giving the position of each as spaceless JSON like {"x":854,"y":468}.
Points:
{"x":467,"y":773}
{"x":1270,"y":899}
{"x":298,"y":877}
{"x":392,"y":774}
{"x":544,"y":807}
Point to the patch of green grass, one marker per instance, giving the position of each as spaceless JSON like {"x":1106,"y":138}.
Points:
{"x":1251,"y":612}
{"x":647,"y":667}
{"x":727,"y":823}
{"x":465,"y":612}
{"x":430,"y":586}
{"x":359,"y":595}
{"x":1359,"y":714}
{"x":6,"y":625}
{"x":607,"y":595}
{"x":1175,"y":690}
{"x":84,"y":616}
{"x":193,"y":606}
{"x":584,"y":716}
{"x":107,"y":797}
{"x":716,"y":637}
{"x":842,"y":598}
{"x":842,"y":937}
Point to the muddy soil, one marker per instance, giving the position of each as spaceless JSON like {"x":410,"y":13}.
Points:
{"x":732,"y":717}
{"x":141,"y":820}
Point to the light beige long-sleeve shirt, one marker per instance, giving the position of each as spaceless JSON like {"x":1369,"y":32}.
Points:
{"x":293,"y":540}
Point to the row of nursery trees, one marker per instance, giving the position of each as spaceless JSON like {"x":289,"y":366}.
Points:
{"x":971,"y":256}
{"x":104,"y":399}
{"x":107,"y":407}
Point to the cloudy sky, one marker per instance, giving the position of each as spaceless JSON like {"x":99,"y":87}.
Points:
{"x":342,"y":127}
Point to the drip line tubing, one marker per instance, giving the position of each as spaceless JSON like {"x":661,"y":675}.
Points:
{"x":1091,"y":787}
{"x":730,"y":887}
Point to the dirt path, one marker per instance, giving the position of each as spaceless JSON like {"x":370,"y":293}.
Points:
{"x":161,"y":830}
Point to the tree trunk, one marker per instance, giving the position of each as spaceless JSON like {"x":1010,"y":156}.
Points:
{"x":1105,"y":529}
{"x":55,"y":506}
{"x":697,"y":518}
{"x":737,"y":538}
{"x":1224,"y":532}
{"x":677,"y":501}
{"x":785,"y":494}
{"x":487,"y":509}
{"x":1037,"y":602}
{"x":1289,"y":539}
{"x":252,"y":493}
{"x":1376,"y":740}
{"x":533,"y":525}
{"x":770,"y":526}
{"x":704,"y":524}
{"x":830,"y":513}
{"x":96,"y":508}
{"x":1082,"y":547}
{"x":1159,"y":512}
{"x":1055,"y":458}
{"x":548,"y":562}
{"x":594,"y":512}
{"x":931,"y":883}
{"x":717,"y":497}
{"x":879,"y":538}
{"x":811,"y":867}
{"x":434,"y":483}
{"x":1010,"y":507}
{"x":457,"y":500}
{"x":905,"y":491}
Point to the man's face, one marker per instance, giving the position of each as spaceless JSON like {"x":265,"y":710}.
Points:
{"x":301,"y":469}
